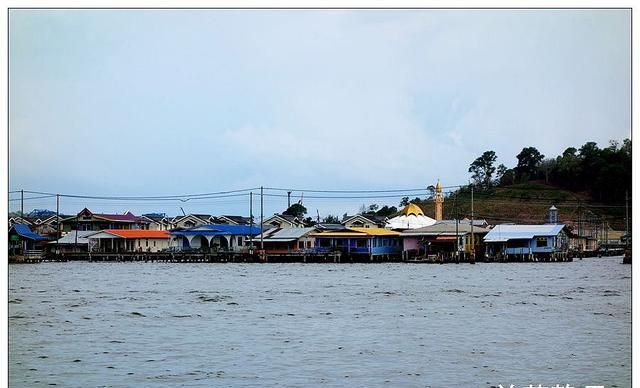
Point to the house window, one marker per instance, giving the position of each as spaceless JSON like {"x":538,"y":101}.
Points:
{"x":300,"y":244}
{"x":146,"y":242}
{"x":239,"y":240}
{"x":361,"y":243}
{"x":541,"y":242}
{"x":154,"y":243}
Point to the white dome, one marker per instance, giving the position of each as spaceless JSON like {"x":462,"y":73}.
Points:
{"x":411,"y":221}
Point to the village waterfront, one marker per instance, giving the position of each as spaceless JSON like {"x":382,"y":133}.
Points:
{"x":81,"y":324}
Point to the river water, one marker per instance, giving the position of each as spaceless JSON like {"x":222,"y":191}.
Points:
{"x":81,"y":324}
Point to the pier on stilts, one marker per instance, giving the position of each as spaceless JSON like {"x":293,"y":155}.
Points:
{"x":291,"y":257}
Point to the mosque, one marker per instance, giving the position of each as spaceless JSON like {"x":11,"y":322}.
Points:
{"x":412,"y":216}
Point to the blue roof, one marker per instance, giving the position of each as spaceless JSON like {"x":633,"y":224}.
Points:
{"x":24,"y":231}
{"x":503,"y":233}
{"x":219,"y":229}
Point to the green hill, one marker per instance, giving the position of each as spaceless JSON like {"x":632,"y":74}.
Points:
{"x":529,"y":203}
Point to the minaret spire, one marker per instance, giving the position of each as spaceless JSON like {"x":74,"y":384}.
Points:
{"x":439,"y":201}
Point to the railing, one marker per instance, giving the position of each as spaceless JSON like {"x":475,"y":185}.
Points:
{"x":517,"y":251}
{"x":33,"y":254}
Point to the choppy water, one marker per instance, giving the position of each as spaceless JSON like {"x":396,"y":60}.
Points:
{"x":149,"y":324}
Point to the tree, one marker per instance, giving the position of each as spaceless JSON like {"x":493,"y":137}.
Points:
{"x":482,"y":169}
{"x":297,"y":209}
{"x":331,"y":219}
{"x":508,"y":178}
{"x":567,"y":169}
{"x":387,"y":211}
{"x":529,"y":160}
{"x":500,"y":171}
{"x":431,"y":191}
{"x":404,"y":202}
{"x":309,"y":221}
{"x":546,"y":168}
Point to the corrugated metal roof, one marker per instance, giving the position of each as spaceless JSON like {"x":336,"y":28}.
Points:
{"x":476,"y":222}
{"x":359,"y":232}
{"x":126,"y":217}
{"x":444,"y":227}
{"x":70,"y":238}
{"x":346,"y":233}
{"x":25,"y":232}
{"x":291,"y":233}
{"x":220,"y":229}
{"x":326,"y":226}
{"x":502,"y":233}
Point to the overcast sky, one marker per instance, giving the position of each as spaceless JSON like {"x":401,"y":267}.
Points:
{"x":135,"y":102}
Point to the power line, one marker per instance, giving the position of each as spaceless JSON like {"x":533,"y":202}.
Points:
{"x":345,"y":197}
{"x":142,"y":198}
{"x":28,"y":198}
{"x":421,"y":189}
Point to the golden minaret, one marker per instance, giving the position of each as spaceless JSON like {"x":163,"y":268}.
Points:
{"x":439,"y":201}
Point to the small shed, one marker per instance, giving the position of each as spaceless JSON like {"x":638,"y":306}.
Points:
{"x":22,"y":240}
{"x":75,"y":241}
{"x":288,"y":240}
{"x":522,"y":240}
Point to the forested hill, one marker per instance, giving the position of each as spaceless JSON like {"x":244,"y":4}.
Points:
{"x":529,"y":203}
{"x":584,"y":183}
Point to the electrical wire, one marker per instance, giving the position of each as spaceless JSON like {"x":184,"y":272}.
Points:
{"x":162,"y":197}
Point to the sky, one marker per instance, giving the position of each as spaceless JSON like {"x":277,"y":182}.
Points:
{"x":171,"y":102}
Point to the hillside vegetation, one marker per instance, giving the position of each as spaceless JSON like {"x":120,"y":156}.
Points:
{"x":528,"y":203}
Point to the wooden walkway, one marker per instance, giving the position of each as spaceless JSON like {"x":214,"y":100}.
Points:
{"x":307,"y":257}
{"x":177,"y":257}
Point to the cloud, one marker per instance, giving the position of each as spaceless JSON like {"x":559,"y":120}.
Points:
{"x":116,"y":102}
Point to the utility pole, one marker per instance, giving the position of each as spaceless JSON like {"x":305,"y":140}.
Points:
{"x":626,"y":208}
{"x":473,"y":245}
{"x":580,"y":228}
{"x":21,"y":203}
{"x":261,"y":218}
{"x":57,"y":221}
{"x":606,"y":237}
{"x":288,"y":199}
{"x":251,"y":220}
{"x":455,"y":206}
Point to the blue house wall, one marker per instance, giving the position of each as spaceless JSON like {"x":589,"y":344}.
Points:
{"x":536,"y":245}
{"x":374,"y":245}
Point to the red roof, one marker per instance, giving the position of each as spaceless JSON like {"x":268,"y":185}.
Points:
{"x":126,"y":217}
{"x":138,"y":233}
